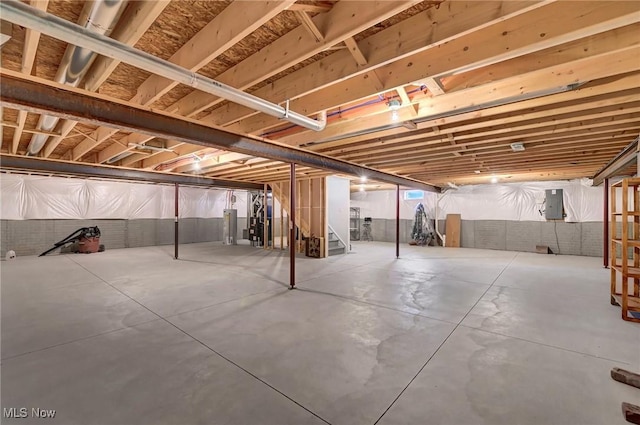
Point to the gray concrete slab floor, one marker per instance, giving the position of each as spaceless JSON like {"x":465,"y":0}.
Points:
{"x":439,"y":336}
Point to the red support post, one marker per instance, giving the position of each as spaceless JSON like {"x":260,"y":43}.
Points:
{"x":265,"y":218}
{"x":175,"y":236}
{"x":292,"y":226}
{"x":605,"y":225}
{"x":397,"y":221}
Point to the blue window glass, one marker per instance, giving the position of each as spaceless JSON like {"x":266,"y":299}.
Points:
{"x":413,"y":194}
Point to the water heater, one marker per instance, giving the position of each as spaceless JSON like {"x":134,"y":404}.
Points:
{"x":230,"y":227}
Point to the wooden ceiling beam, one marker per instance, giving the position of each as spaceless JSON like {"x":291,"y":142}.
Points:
{"x":321,"y":7}
{"x":623,"y":160}
{"x":509,"y":136}
{"x":41,"y":96}
{"x":617,"y":106}
{"x":355,"y":51}
{"x":268,"y":174}
{"x":294,"y":43}
{"x":502,"y":151}
{"x":444,"y":150}
{"x":509,"y":169}
{"x":181,"y":150}
{"x":548,"y":134}
{"x":408,"y":37}
{"x":550,"y":137}
{"x":561,"y":22}
{"x":214,"y":160}
{"x":535,"y":84}
{"x":135,"y":21}
{"x":233,"y":24}
{"x":31,"y":41}
{"x":175,"y":147}
{"x":344,"y":20}
{"x":519,"y":176}
{"x":464,"y":162}
{"x":306,"y":21}
{"x":259,"y":165}
{"x":433,"y":85}
{"x":604,"y":92}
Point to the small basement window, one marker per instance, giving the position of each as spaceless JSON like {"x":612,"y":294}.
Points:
{"x":413,"y":194}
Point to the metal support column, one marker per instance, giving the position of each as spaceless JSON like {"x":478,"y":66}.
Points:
{"x":397,"y":221}
{"x":175,"y":236}
{"x":265,"y":217}
{"x":605,"y":224}
{"x":292,"y":226}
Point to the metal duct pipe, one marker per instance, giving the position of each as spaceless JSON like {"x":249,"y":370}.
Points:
{"x":77,"y":60}
{"x":26,"y":16}
{"x":150,"y":147}
{"x":117,"y":158}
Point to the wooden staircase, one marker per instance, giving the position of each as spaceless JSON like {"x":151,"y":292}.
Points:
{"x":336,"y":247}
{"x":310,"y":208}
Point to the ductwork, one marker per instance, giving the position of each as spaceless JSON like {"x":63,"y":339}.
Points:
{"x":24,"y":15}
{"x":77,"y":60}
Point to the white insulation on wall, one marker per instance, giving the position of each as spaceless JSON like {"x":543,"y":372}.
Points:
{"x":25,"y":197}
{"x":508,"y":201}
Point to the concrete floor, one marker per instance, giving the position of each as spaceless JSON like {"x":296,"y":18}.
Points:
{"x":441,"y":336}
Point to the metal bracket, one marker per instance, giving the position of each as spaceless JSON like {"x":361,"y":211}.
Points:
{"x":286,"y":109}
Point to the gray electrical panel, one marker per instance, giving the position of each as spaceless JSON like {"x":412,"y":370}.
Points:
{"x":554,"y":209}
{"x":230,"y":227}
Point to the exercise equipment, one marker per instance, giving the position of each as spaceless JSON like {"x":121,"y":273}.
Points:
{"x":423,"y":232}
{"x":366,"y":230}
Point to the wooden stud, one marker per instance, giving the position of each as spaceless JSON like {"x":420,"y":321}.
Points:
{"x":355,"y":51}
{"x":336,"y":25}
{"x":434,"y":85}
{"x":306,"y":21}
{"x":320,"y":7}
{"x":403,"y":39}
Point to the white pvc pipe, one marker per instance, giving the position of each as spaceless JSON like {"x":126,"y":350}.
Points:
{"x":29,"y":17}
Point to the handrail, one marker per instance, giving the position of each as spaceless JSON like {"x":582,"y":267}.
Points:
{"x":346,"y":247}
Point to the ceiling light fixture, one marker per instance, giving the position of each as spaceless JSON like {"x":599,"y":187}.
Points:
{"x":363,"y":179}
{"x":196,"y":161}
{"x":394,"y":105}
{"x":152,"y":148}
{"x":494,"y":179}
{"x":517,"y":147}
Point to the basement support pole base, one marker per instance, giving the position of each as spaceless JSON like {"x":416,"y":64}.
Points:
{"x":631,"y":413}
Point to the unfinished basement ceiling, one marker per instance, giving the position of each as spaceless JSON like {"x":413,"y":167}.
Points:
{"x":436,"y":91}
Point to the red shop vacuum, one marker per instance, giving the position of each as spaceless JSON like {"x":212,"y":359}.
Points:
{"x":85,"y":240}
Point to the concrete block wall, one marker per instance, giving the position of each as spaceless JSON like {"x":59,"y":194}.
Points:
{"x":32,"y":237}
{"x":573,"y":238}
{"x":385,"y":230}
